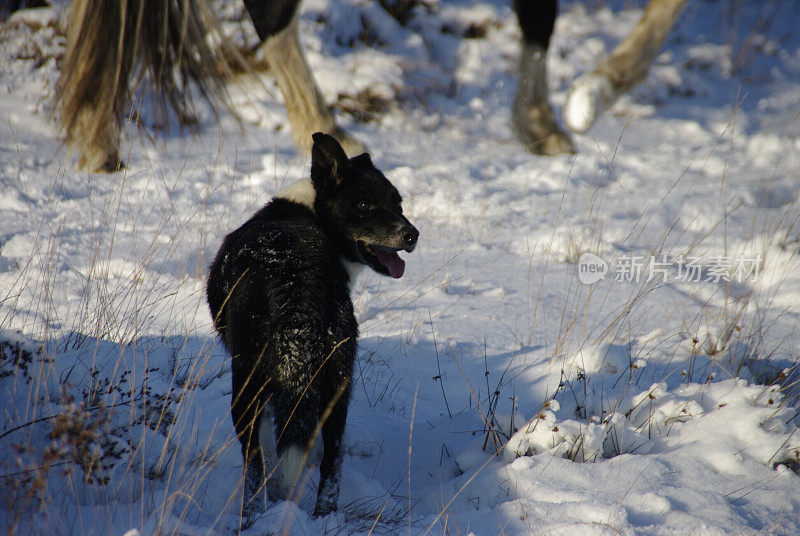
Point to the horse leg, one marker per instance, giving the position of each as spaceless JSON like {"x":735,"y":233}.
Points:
{"x":532,"y":118}
{"x":99,"y":150}
{"x":627,"y":66}
{"x":276,"y":25}
{"x":87,"y":100}
{"x":110,"y":40}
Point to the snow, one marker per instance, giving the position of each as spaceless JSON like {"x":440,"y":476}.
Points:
{"x":495,"y":391}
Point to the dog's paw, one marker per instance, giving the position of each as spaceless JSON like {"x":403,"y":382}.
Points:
{"x":251,"y":512}
{"x":323,"y":510}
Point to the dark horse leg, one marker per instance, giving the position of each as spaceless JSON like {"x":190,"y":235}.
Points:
{"x":276,"y":24}
{"x":532,"y":118}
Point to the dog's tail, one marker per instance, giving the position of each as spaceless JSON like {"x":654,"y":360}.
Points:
{"x":168,"y":42}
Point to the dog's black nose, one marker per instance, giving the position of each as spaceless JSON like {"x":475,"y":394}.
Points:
{"x":410,"y":235}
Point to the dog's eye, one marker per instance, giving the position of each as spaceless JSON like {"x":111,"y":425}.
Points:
{"x":365,"y":206}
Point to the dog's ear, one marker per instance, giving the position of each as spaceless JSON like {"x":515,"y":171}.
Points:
{"x":362,"y":161}
{"x":328,"y":159}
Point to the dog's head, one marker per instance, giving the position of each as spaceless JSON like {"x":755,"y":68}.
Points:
{"x":360,"y":208}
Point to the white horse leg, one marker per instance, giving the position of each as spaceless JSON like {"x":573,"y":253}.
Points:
{"x":593,"y":93}
{"x":305,"y":104}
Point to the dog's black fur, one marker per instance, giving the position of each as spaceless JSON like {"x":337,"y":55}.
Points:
{"x":279,"y":294}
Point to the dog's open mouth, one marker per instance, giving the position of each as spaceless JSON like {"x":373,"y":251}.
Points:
{"x":383,"y":257}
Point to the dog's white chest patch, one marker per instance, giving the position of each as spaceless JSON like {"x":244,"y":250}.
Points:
{"x":353,"y":269}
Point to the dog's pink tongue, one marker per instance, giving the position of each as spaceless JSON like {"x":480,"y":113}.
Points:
{"x":392,"y":262}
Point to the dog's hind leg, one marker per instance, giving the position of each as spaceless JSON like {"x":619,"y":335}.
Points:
{"x":295,"y":399}
{"x":627,"y":66}
{"x":295,"y":411}
{"x":276,"y":25}
{"x":330,"y":469}
{"x":532,"y":118}
{"x":246,"y":410}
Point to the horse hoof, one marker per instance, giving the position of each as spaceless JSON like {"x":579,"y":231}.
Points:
{"x":98,"y":161}
{"x":537,"y":130}
{"x":113,"y":164}
{"x":589,"y":96}
{"x":556,"y":143}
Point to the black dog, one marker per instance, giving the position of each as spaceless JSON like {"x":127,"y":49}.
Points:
{"x":279,"y":295}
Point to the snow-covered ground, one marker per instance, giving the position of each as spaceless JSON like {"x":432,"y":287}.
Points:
{"x":603,"y":343}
